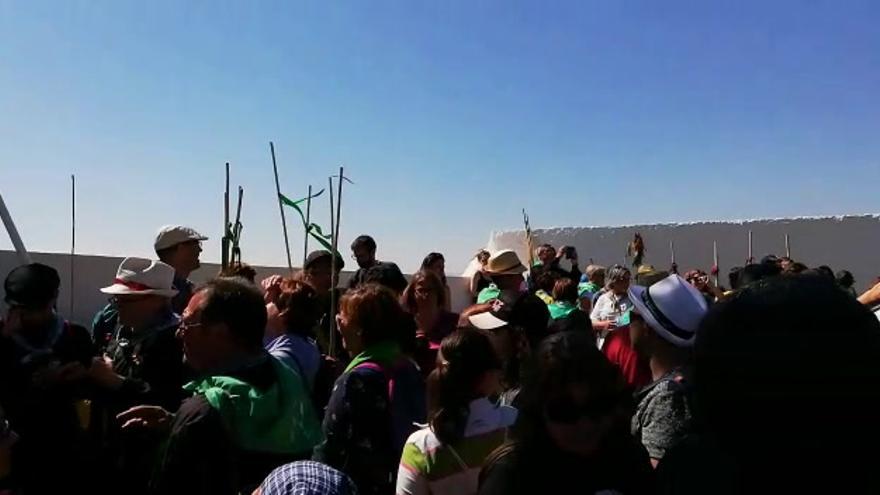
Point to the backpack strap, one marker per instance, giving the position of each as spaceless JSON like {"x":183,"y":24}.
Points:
{"x":389,"y":377}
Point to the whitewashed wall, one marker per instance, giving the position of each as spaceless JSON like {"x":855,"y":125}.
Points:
{"x":848,"y":242}
{"x":93,"y":272}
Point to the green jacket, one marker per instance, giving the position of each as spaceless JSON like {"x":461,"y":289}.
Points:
{"x":278,"y":420}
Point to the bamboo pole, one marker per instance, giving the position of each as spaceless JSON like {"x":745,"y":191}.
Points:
{"x":334,"y":281}
{"x":72,"y":287}
{"x":281,"y":207}
{"x":308,"y":225}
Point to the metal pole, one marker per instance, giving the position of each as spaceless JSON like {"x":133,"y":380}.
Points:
{"x":333,"y":280}
{"x":23,"y":257}
{"x":72,"y":287}
{"x":236,"y":229}
{"x":308,"y":225}
{"x":674,"y":267}
{"x":281,"y":207}
{"x":751,"y":255}
{"x":787,"y":247}
{"x":717,"y":269}
{"x":338,"y":208}
{"x":224,"y":242}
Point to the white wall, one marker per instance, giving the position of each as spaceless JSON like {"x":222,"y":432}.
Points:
{"x":849,"y":242}
{"x":93,"y":272}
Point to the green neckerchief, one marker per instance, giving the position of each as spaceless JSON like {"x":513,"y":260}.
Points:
{"x":383,"y":352}
{"x":561,"y":309}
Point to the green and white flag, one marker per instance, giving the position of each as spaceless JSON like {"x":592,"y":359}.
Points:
{"x":311,"y":229}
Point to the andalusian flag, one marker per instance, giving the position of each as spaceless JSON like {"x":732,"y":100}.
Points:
{"x":311,"y":228}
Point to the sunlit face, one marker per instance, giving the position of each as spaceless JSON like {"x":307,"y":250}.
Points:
{"x":547,"y":255}
{"x":621,"y":285}
{"x":364,"y":257}
{"x":318,"y":276}
{"x":424,"y":293}
{"x":188,"y":254}
{"x":351,"y":336}
{"x":138,"y":309}
{"x":200,"y":348}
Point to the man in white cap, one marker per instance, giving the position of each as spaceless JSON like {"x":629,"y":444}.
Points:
{"x":506,"y":271}
{"x":179,"y":247}
{"x":662,"y":326}
{"x":143,"y":363}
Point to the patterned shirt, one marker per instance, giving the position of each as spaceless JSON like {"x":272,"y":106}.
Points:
{"x":663,"y":416}
{"x":307,"y":478}
{"x":430,"y":467}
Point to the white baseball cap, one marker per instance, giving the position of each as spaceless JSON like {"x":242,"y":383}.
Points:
{"x":172,"y":235}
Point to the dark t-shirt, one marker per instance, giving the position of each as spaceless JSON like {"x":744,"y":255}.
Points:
{"x":44,"y":412}
{"x":201,"y":457}
{"x":383,"y":272}
{"x":624,"y":468}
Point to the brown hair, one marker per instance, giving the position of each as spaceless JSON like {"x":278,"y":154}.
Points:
{"x":240,"y":270}
{"x":467,"y":355}
{"x":300,"y":301}
{"x":565,"y":290}
{"x":375,"y":311}
{"x":408,"y":298}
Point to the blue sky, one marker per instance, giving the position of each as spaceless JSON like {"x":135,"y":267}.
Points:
{"x":449,"y":116}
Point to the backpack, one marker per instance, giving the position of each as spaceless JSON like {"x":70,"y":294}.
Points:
{"x":406,"y":409}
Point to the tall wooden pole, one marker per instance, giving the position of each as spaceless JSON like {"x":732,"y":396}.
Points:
{"x":308,"y":225}
{"x":224,"y":243}
{"x":334,"y":281}
{"x":281,"y":207}
{"x":751,"y":258}
{"x":717,"y":269}
{"x":72,"y":287}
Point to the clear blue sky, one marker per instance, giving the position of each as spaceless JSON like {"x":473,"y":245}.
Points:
{"x":449,"y":116}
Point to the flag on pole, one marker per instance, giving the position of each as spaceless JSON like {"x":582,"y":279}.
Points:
{"x":312,"y":229}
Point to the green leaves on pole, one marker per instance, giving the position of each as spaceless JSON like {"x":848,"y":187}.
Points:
{"x":311,"y":229}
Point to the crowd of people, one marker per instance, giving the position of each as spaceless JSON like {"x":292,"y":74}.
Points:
{"x":616,"y":379}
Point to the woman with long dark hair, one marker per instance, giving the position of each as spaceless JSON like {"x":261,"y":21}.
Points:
{"x":425,"y":299}
{"x":465,"y":427}
{"x":573,"y":431}
{"x":436,"y":264}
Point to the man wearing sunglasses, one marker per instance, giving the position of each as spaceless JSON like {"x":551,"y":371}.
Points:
{"x":662,"y":327}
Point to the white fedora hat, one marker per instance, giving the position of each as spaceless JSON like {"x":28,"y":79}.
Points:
{"x":672,"y":307}
{"x":143,"y":276}
{"x":505,"y":262}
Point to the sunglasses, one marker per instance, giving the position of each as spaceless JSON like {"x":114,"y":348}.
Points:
{"x":565,"y":411}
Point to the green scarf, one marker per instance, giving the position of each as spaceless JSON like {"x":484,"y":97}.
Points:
{"x":561,"y":309}
{"x":382,"y":353}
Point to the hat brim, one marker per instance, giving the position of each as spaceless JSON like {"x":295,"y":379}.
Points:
{"x":636,"y":293}
{"x":121,"y":290}
{"x":516,"y":270}
{"x":160,"y":247}
{"x":486,"y":321}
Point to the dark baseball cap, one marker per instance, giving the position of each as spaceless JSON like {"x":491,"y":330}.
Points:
{"x":323,"y":255}
{"x":521,"y":309}
{"x":31,"y":285}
